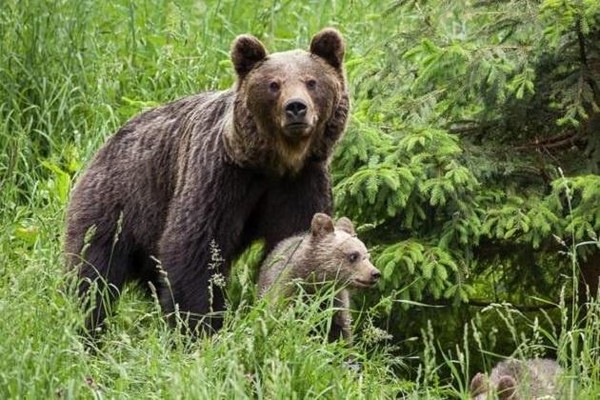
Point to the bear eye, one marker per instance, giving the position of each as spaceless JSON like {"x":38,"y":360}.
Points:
{"x":274,"y":86}
{"x":311,"y":84}
{"x":353,"y":257}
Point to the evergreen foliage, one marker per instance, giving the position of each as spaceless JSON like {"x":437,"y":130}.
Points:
{"x":473,"y":148}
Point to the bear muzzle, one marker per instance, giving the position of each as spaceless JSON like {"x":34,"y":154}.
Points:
{"x":297,"y":124}
{"x":367,"y":278}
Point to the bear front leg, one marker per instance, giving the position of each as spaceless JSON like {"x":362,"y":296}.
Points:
{"x":340,"y":325}
{"x":196,"y":260}
{"x":203,"y":233}
{"x":193,"y":281}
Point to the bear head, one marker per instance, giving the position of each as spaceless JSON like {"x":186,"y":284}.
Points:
{"x":288,"y":98}
{"x":340,"y":256}
{"x":505,"y":388}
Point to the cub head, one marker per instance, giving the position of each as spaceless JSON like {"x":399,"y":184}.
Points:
{"x":505,"y":389}
{"x":339,"y":254}
{"x":290,"y":96}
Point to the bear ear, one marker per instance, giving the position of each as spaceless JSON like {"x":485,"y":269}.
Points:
{"x":321,"y":225}
{"x":329,"y":45}
{"x":344,"y":224}
{"x":246,"y":51}
{"x":478,"y":385}
{"x":507,"y":387}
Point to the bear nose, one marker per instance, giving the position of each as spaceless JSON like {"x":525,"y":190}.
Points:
{"x":295,"y":108}
{"x":375,"y":275}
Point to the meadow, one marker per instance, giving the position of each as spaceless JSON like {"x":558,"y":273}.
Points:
{"x":73,"y":71}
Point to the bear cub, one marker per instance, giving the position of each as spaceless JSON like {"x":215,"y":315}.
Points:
{"x":328,"y":253}
{"x":518,"y":380}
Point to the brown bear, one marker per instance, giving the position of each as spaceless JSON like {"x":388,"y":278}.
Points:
{"x":208,"y":174}
{"x":327,"y":253}
{"x":518,"y":380}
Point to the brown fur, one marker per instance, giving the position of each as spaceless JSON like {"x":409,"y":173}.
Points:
{"x":327,"y":253}
{"x":223,"y":167}
{"x":518,"y":380}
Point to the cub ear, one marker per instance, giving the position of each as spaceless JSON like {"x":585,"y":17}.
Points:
{"x":507,"y":387}
{"x":321,"y":225}
{"x":479,"y":385}
{"x":344,"y":224}
{"x":246,"y":51}
{"x":329,"y":45}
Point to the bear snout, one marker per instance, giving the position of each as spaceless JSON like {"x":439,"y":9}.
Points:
{"x":297,"y":123}
{"x":375,"y":275}
{"x":367,"y":276}
{"x":295,"y":109}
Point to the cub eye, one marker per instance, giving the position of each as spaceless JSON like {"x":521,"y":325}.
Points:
{"x":311,"y":84}
{"x":274,"y":86}
{"x":353,"y":257}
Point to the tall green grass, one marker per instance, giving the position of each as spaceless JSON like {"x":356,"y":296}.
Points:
{"x":71,"y":72}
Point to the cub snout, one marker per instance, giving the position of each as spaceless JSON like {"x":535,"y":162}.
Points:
{"x":367,"y":276}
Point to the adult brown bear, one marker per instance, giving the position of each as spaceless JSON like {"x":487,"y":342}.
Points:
{"x":218,"y":169}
